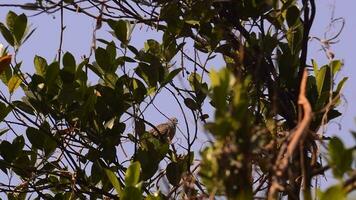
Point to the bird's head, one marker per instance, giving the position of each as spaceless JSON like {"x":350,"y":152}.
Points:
{"x":174,"y":120}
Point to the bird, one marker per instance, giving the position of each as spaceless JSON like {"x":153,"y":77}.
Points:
{"x":166,"y":131}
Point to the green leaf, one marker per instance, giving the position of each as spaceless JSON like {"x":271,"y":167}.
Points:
{"x":6,"y":75}
{"x":121,"y":29}
{"x":11,"y":20}
{"x":192,"y":22}
{"x":171,"y":75}
{"x":69,"y":64}
{"x":114,"y":181}
{"x":40,"y":65}
{"x":341,"y":84}
{"x":14,"y":83}
{"x":3,"y":131}
{"x":7,"y":151}
{"x":52,"y":73}
{"x":34,"y":136}
{"x":24,"y":107}
{"x":173,"y":173}
{"x":334,"y":192}
{"x":340,"y":158}
{"x":131,"y":193}
{"x":103,"y":59}
{"x":155,"y":196}
{"x":7,"y":34}
{"x":336,"y":66}
{"x":293,"y":15}
{"x":191,"y":104}
{"x":18,"y":143}
{"x":4,"y":111}
{"x":132,"y":176}
{"x":320,"y":78}
{"x":195,"y":80}
{"x":20,"y":28}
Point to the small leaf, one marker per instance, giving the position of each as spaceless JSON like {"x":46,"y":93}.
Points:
{"x":40,"y":65}
{"x":320,"y":78}
{"x":132,"y":175}
{"x":172,"y":74}
{"x":24,"y":107}
{"x":7,"y":151}
{"x":173,"y":173}
{"x":33,"y":136}
{"x":11,"y":20}
{"x":103,"y":59}
{"x":7,"y":34}
{"x":4,"y":111}
{"x":191,"y":104}
{"x":20,"y":28}
{"x":333,"y":192}
{"x":69,"y":64}
{"x":340,"y":158}
{"x":114,"y":181}
{"x":336,"y":66}
{"x":341,"y":84}
{"x":293,"y":15}
{"x":14,"y":83}
{"x":121,"y":29}
{"x":3,"y":131}
{"x":131,"y":193}
{"x":192,"y":22}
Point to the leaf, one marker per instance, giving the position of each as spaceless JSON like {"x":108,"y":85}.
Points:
{"x":24,"y":107}
{"x":320,"y":77}
{"x":114,"y":181}
{"x":14,"y":83}
{"x":131,"y":193}
{"x":69,"y":64}
{"x":132,"y":175}
{"x":121,"y":29}
{"x":336,"y":66}
{"x":40,"y":65}
{"x":103,"y":59}
{"x":340,"y":158}
{"x":192,"y":22}
{"x":20,"y":28}
{"x":173,"y":173}
{"x":341,"y":84}
{"x":195,"y":80}
{"x":4,"y":111}
{"x":293,"y":15}
{"x":191,"y":104}
{"x":52,"y":73}
{"x":5,"y":63}
{"x":7,"y":34}
{"x":34,"y":137}
{"x":6,"y":75}
{"x":11,"y":20}
{"x":171,"y":75}
{"x":3,"y":131}
{"x":7,"y":151}
{"x":333,"y":192}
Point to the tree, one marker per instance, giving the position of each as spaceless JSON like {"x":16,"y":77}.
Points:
{"x":68,"y":139}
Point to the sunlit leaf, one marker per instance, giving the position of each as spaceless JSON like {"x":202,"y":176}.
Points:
{"x":14,"y":83}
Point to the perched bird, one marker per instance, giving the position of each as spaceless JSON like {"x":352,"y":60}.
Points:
{"x":166,"y":131}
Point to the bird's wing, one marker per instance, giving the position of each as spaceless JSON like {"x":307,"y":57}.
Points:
{"x":162,"y":128}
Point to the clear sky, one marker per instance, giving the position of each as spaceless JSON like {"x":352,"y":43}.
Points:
{"x":77,"y":40}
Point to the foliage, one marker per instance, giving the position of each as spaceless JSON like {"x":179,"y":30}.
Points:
{"x":69,"y":139}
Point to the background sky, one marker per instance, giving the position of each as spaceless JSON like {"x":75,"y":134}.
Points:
{"x":77,"y":40}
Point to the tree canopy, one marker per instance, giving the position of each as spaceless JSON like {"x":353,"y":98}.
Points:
{"x":78,"y":128}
